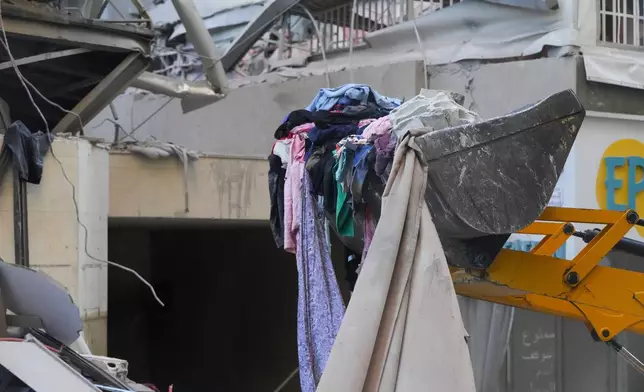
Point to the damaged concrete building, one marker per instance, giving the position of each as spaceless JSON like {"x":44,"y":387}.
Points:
{"x":194,"y":220}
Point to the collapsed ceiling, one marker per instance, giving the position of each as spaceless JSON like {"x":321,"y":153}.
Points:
{"x":78,"y":64}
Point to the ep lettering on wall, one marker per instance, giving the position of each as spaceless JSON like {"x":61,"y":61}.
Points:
{"x":620,"y":181}
{"x":634,"y":182}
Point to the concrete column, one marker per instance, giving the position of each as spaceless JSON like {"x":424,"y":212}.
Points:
{"x":57,"y":239}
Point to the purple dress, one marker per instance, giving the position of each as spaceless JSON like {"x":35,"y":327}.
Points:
{"x":319,"y":305}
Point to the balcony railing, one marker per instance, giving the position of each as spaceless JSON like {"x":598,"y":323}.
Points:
{"x":334,"y":25}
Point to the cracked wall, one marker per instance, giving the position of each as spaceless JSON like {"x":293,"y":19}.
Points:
{"x":497,"y":89}
{"x":243,"y":124}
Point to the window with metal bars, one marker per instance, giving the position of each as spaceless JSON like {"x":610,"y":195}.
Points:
{"x":621,"y":22}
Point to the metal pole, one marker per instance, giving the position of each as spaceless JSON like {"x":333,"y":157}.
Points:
{"x":199,"y":36}
{"x":282,"y":39}
{"x":20,"y":220}
{"x":116,"y":125}
{"x":351,"y":28}
{"x":627,"y":356}
{"x":411,"y":13}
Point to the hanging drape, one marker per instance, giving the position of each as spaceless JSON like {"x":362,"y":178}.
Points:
{"x":403,"y":329}
{"x":319,"y":306}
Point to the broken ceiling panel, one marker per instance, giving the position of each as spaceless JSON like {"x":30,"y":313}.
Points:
{"x":80,"y":65}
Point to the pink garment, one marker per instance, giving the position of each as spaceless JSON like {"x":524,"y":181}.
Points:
{"x":378,"y":128}
{"x":293,"y":184}
{"x":369,"y":229}
{"x":364,"y":122}
{"x":293,"y":191}
{"x":302,"y":128}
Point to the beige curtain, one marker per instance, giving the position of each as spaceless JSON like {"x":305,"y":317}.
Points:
{"x":403,"y":329}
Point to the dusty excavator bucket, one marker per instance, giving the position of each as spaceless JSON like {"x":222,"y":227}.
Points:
{"x":489,"y":179}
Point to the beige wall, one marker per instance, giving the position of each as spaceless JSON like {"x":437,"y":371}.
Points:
{"x":56,"y":240}
{"x":218,"y":188}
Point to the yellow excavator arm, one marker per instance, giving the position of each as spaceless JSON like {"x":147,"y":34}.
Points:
{"x":608,"y":300}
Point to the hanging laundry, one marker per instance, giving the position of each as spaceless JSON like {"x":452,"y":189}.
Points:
{"x":329,"y":187}
{"x":343,"y":210}
{"x":342,"y":156}
{"x":328,"y":97}
{"x":348,"y":115}
{"x":27,"y":149}
{"x":292,"y":192}
{"x":369,"y":230}
{"x":356,"y":115}
{"x":364,"y":159}
{"x":350,"y":171}
{"x":377,"y":128}
{"x":294,"y":119}
{"x":320,"y":307}
{"x":351,"y":140}
{"x":385,"y":147}
{"x":319,"y":137}
{"x":344,"y":213}
{"x":327,"y":226}
{"x":318,"y":164}
{"x":364,"y":123}
{"x":276,"y":175}
{"x":282,"y":149}
{"x":368,"y":111}
{"x":302,"y":128}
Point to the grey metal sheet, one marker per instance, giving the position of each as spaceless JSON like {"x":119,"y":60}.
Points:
{"x":43,"y":57}
{"x":41,"y":370}
{"x":74,"y":32}
{"x":112,"y":85}
{"x":32,"y":293}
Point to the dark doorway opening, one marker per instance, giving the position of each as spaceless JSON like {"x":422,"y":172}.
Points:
{"x":229,"y":322}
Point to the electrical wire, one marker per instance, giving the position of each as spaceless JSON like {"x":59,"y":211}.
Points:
{"x":25,"y":83}
{"x":120,"y":127}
